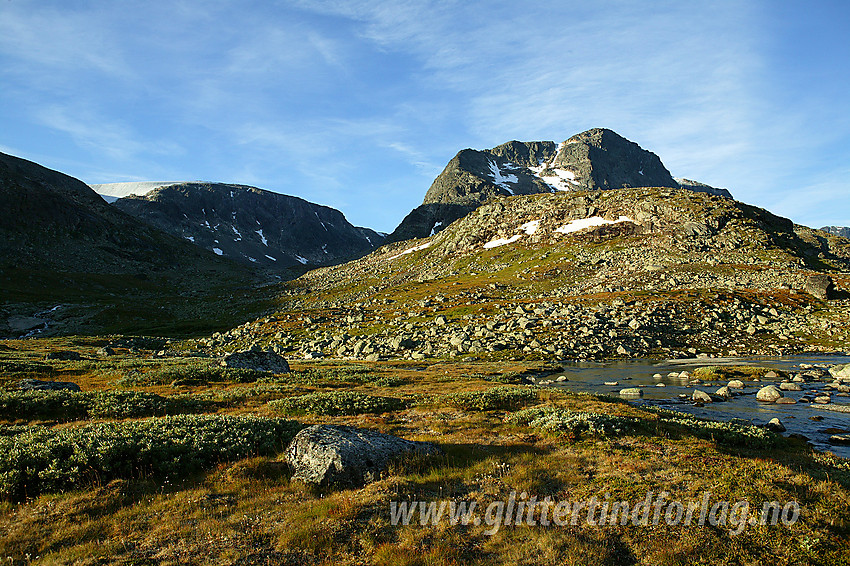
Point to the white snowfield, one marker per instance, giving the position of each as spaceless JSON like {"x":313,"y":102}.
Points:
{"x":411,"y":250}
{"x":502,"y":180}
{"x":217,"y":251}
{"x":563,"y":180}
{"x":501,"y":241}
{"x":120,"y":190}
{"x":592,"y":222}
{"x":531,"y":228}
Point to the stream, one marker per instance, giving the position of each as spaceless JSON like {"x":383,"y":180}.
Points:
{"x":591,"y":377}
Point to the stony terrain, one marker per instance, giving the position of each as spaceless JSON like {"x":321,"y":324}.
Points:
{"x":253,"y":226}
{"x":658,"y":272}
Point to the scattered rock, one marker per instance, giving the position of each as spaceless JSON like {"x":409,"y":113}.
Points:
{"x":840,"y":439}
{"x":105,"y":351}
{"x":701,"y":397}
{"x":348,"y":456}
{"x":256,"y":359}
{"x":775,"y":425}
{"x":724,"y":392}
{"x":736,"y":384}
{"x":631,"y":392}
{"x":790,"y":386}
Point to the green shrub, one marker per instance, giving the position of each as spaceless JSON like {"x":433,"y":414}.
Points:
{"x":70,"y":405}
{"x":553,"y":419}
{"x":740,"y":434}
{"x":19,"y":368}
{"x":330,"y":376}
{"x":42,"y":460}
{"x":193,"y":373}
{"x":336,"y":403}
{"x":498,"y":398}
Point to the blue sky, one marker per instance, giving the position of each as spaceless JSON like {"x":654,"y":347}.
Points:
{"x":360,"y":104}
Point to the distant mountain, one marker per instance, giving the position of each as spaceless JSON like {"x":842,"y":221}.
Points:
{"x":598,"y":159}
{"x":61,"y":244}
{"x":842,"y":231}
{"x":114,"y":191}
{"x":252,"y":225}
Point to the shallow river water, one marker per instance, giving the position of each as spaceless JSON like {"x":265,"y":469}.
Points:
{"x":591,"y":377}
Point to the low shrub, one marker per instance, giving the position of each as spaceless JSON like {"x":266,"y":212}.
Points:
{"x":735,"y":433}
{"x":194,"y":373}
{"x":70,"y":405}
{"x":498,"y":398}
{"x":42,"y":460}
{"x":336,"y":403}
{"x":668,"y":423}
{"x":553,"y":419}
{"x":334,"y":376}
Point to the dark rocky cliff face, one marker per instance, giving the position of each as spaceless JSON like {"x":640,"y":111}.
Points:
{"x":596,"y":159}
{"x":51,"y":221}
{"x":252,"y":225}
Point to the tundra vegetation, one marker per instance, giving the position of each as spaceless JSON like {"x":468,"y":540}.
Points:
{"x":139,"y":468}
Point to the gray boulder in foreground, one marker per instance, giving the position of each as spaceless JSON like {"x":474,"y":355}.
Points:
{"x":820,"y":286}
{"x":39,"y":385}
{"x":260,"y":360}
{"x":348,"y":456}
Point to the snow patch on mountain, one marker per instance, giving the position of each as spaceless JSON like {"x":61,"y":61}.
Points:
{"x":501,"y":180}
{"x":585,"y":223}
{"x":120,"y":190}
{"x":530,"y":227}
{"x":410,"y":250}
{"x":501,"y":241}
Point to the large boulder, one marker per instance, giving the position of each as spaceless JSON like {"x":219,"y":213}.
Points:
{"x":820,"y":285}
{"x":769,"y":394}
{"x":348,"y":456}
{"x":259,"y":360}
{"x":39,"y":385}
{"x":840,"y":371}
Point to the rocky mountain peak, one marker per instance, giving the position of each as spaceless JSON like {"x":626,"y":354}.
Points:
{"x":597,"y":159}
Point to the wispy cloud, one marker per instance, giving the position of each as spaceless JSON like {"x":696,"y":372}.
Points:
{"x":339,"y":98}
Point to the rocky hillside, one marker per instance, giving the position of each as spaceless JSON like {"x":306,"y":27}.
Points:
{"x":595,"y":159}
{"x":251,"y":225}
{"x":842,"y":231}
{"x":658,"y":272}
{"x":63,"y":249}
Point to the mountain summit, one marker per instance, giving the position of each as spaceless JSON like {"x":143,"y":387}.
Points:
{"x":598,"y":159}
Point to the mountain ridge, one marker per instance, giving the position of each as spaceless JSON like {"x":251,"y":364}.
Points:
{"x":252,"y":225}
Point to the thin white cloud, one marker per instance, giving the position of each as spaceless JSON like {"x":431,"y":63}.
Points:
{"x":109,"y":138}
